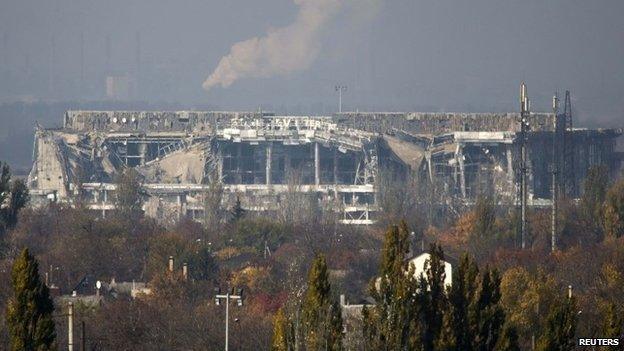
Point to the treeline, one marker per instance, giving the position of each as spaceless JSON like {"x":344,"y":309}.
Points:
{"x":293,"y":267}
{"x":416,"y":312}
{"x":13,"y":197}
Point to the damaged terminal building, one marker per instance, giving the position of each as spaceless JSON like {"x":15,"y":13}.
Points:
{"x":334,"y":160}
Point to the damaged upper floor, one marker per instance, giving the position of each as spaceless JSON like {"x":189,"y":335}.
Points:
{"x":260,"y":155}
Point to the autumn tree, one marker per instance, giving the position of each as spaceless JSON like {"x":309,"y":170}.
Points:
{"x":614,"y":211}
{"x":213,"y":197}
{"x":29,"y":313}
{"x":525,"y":297}
{"x":128,"y":194}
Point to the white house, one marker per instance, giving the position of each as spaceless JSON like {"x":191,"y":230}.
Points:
{"x":419,"y":265}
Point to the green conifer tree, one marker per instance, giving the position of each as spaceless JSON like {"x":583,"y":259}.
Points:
{"x":389,"y":323}
{"x":613,"y":325}
{"x":237,"y":212}
{"x":29,"y":312}
{"x":457,"y":333}
{"x":508,"y":341}
{"x":614,"y":211}
{"x":594,"y":193}
{"x":433,"y":299}
{"x":560,"y":327}
{"x":18,"y":198}
{"x":485,"y":213}
{"x":475,"y":316}
{"x":488,"y":315}
{"x":13,"y":197}
{"x":321,"y":320}
{"x":280,"y":340}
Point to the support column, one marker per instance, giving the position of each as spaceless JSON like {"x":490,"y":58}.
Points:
{"x":317,"y":165}
{"x":219,"y":165}
{"x":335,"y":166}
{"x":269,"y":156}
{"x":510,"y":169}
{"x":286,"y":166}
{"x":462,"y":170}
{"x":239,"y":156}
{"x":70,"y":326}
{"x":142,"y":152}
{"x":182,"y":206}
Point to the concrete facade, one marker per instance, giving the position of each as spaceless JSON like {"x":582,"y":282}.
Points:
{"x":334,"y":160}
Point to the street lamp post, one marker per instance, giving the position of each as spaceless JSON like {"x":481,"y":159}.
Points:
{"x":340,"y":89}
{"x":238,"y":297}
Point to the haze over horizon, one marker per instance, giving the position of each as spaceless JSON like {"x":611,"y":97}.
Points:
{"x":393,"y":55}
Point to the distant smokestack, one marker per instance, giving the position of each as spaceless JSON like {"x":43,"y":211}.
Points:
{"x":185,"y":271}
{"x":171,"y":264}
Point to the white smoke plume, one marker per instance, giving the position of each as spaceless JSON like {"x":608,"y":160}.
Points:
{"x":281,"y":51}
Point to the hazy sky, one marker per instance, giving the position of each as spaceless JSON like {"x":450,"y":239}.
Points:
{"x":437,"y":55}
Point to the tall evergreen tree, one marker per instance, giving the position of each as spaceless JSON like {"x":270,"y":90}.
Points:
{"x":13,"y":197}
{"x":320,"y":318}
{"x":594,"y":193}
{"x":5,"y":178}
{"x":18,"y":198}
{"x":280,"y":341}
{"x":212,"y":201}
{"x":389,"y":323}
{"x":488,"y":314}
{"x":485,"y":216}
{"x":613,"y":325}
{"x":433,"y":299}
{"x":614,"y":211}
{"x":560,"y":327}
{"x":457,"y":332}
{"x":29,"y":313}
{"x":128,"y":195}
{"x":508,"y":341}
{"x":475,"y":316}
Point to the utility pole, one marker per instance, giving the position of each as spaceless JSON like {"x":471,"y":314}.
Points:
{"x":524,"y":127}
{"x":83,"y":336}
{"x":70,"y":326}
{"x":340,"y":89}
{"x":569,"y":178}
{"x":555,"y":173}
{"x":227,"y":297}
